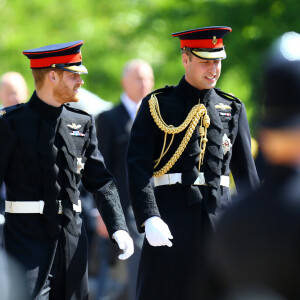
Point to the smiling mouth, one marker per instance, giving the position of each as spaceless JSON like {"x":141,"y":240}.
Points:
{"x":211,"y":77}
{"x":76,"y":89}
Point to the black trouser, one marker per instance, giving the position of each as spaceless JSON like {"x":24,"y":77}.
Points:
{"x":54,"y":287}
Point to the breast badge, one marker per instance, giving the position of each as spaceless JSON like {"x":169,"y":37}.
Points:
{"x":74,"y":126}
{"x":77,"y":133}
{"x":80,"y":165}
{"x":226,"y":144}
{"x":222,"y":106}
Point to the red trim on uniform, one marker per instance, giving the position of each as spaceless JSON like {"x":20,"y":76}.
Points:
{"x":201,"y":43}
{"x":48,"y":61}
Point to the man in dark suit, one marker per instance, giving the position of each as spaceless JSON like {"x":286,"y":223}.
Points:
{"x":188,"y":137}
{"x":256,"y":250}
{"x":113,"y":129}
{"x":49,"y":147}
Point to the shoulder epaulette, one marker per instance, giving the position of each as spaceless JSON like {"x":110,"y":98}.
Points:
{"x":161,"y":90}
{"x":10,"y":109}
{"x":77,"y":110}
{"x":227,"y":96}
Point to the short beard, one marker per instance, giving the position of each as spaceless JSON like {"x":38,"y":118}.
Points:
{"x":62,"y":95}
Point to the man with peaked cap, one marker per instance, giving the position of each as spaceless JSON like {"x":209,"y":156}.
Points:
{"x":188,"y":138}
{"x":257,"y":248}
{"x":49,"y":148}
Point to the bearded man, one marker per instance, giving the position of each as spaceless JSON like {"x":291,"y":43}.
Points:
{"x":49,"y":147}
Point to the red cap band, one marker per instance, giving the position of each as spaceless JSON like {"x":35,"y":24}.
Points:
{"x":48,"y":61}
{"x":202,"y":43}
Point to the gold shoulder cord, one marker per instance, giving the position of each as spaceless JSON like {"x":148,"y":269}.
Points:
{"x":198,"y":112}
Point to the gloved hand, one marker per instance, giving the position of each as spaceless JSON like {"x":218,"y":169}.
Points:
{"x":125,"y":243}
{"x":158,"y":232}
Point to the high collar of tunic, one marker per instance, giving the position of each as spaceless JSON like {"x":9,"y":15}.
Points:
{"x":193,"y":93}
{"x":44,"y":109}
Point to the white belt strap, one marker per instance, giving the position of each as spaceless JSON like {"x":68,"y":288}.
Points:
{"x":167,"y":179}
{"x":173,"y":178}
{"x":31,"y":207}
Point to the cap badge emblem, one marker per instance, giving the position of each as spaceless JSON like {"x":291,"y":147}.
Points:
{"x":74,"y":126}
{"x":226,"y":144}
{"x":214,"y":40}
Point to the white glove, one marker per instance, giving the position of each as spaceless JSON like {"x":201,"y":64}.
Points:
{"x":158,"y":232}
{"x":125,"y":243}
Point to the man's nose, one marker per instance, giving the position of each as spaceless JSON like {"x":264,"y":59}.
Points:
{"x":80,"y":80}
{"x":213,"y":67}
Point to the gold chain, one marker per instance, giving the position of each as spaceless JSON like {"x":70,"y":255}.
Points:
{"x":197,"y":112}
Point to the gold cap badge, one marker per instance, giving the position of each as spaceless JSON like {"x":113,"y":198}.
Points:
{"x":214,"y":40}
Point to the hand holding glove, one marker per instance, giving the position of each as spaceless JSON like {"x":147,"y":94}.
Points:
{"x":125,"y":243}
{"x":158,"y":232}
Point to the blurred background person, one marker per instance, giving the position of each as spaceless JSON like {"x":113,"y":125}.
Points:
{"x":256,"y":252}
{"x":113,"y":129}
{"x":13,"y":89}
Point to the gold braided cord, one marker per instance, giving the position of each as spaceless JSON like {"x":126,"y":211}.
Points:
{"x":170,"y":129}
{"x":197,"y":112}
{"x":162,"y":154}
{"x":203,"y":139}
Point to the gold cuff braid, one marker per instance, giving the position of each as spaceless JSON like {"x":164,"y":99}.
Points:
{"x":197,"y":112}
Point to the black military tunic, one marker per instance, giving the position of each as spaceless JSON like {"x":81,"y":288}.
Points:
{"x":46,"y":151}
{"x":188,"y":210}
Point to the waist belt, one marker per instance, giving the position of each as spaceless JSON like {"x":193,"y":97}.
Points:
{"x":33,"y":207}
{"x":174,"y":178}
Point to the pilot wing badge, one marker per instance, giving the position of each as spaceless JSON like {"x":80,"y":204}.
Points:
{"x":75,"y":132}
{"x":74,"y":126}
{"x":222,"y":106}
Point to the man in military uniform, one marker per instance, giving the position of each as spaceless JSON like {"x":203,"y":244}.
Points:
{"x":49,"y":147}
{"x":188,"y":138}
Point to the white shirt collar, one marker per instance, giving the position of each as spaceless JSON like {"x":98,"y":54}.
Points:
{"x":130,"y":105}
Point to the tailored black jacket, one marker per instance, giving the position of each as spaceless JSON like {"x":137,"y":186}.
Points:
{"x":146,"y":142}
{"x":46,"y":151}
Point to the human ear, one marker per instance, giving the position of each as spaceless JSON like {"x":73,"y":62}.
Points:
{"x":53,"y":76}
{"x":185,"y":59}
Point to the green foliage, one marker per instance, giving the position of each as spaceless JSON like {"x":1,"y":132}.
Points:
{"x":116,"y":31}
